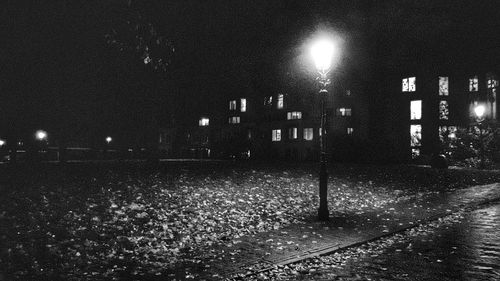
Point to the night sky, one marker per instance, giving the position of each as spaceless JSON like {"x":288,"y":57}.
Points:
{"x":59,"y":73}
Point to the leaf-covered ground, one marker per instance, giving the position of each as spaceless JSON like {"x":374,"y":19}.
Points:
{"x":132,"y":222}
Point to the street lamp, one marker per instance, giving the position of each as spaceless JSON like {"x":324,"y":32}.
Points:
{"x":2,"y":142}
{"x":479,"y":110}
{"x":41,"y":135}
{"x":322,"y":52}
{"x":108,"y":139}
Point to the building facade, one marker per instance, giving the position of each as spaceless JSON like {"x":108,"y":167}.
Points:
{"x":433,"y":106}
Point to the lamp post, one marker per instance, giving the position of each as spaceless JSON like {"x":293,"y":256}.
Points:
{"x":41,"y":136}
{"x":479,"y":110}
{"x":322,"y":53}
{"x":108,"y":140}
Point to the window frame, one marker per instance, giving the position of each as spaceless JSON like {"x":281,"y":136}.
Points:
{"x":201,"y":122}
{"x":276,"y":135}
{"x":234,"y":120}
{"x":443,"y":86}
{"x":232,"y":105}
{"x":343,"y":111}
{"x":243,"y":105}
{"x":308,"y":134}
{"x":280,"y":101}
{"x":294,"y":115}
{"x":418,"y":114}
{"x":409,"y":84}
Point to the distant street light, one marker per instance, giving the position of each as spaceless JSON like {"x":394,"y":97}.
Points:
{"x":322,"y":52}
{"x":41,"y":135}
{"x":2,"y":143}
{"x":108,"y":139}
{"x":479,"y":110}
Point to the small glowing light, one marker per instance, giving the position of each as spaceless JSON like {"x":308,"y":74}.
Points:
{"x":41,"y":135}
{"x":322,"y":53}
{"x":204,"y":121}
{"x":2,"y":142}
{"x":108,"y":139}
{"x":479,"y":110}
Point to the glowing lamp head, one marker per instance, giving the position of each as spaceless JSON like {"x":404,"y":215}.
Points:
{"x":322,"y":52}
{"x":108,"y":139}
{"x":479,"y":111}
{"x":41,"y":135}
{"x":2,"y":143}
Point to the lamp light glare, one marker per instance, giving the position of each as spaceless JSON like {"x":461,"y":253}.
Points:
{"x":41,"y":135}
{"x":322,"y":53}
{"x":479,"y":110}
{"x":2,"y":142}
{"x":108,"y":139}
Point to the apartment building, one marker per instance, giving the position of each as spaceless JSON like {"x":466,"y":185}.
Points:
{"x":434,"y":106}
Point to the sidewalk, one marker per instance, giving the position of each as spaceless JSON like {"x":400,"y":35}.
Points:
{"x":252,"y":254}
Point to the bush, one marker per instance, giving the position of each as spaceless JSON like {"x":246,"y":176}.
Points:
{"x":465,"y":148}
{"x":439,"y":161}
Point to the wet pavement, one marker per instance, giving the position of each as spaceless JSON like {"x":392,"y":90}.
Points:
{"x":463,"y":247}
{"x":468,"y":250}
{"x":251,"y":255}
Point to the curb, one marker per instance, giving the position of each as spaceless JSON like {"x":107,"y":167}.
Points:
{"x":335,"y":248}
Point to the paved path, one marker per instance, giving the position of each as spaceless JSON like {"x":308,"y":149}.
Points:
{"x":252,"y":254}
{"x":465,"y":250}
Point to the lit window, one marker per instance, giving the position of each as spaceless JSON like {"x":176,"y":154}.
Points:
{"x":292,"y":133}
{"x":415,"y":135}
{"x":412,"y":87}
{"x":415,"y":109}
{"x":279,"y":104}
{"x":409,"y":84}
{"x":473,"y":84}
{"x":268,"y":101}
{"x":443,"y":86}
{"x":348,"y":92}
{"x":277,"y":135}
{"x":415,"y":152}
{"x":232,"y":105}
{"x":350,"y":131}
{"x":343,"y":111}
{"x":308,"y":134}
{"x":234,"y":120}
{"x":320,"y":132}
{"x":203,"y":121}
{"x":492,"y":83}
{"x":243,"y":105}
{"x":449,"y":132}
{"x":294,"y":115}
{"x":443,"y":110}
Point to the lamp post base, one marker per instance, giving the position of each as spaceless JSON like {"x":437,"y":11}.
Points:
{"x":323,"y":214}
